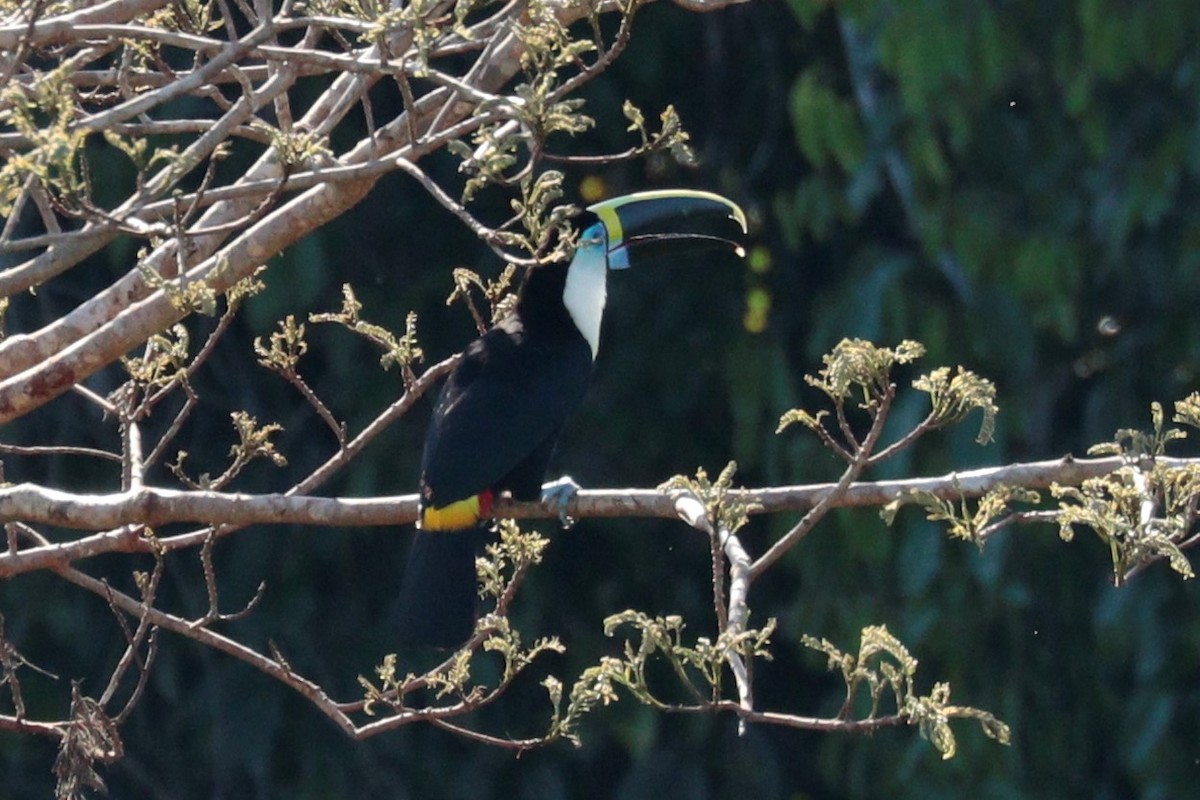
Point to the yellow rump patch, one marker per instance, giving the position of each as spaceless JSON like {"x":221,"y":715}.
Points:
{"x":454,"y":517}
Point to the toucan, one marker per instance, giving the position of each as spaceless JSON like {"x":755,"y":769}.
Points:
{"x":498,"y":418}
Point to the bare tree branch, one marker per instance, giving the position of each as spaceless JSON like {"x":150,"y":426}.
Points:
{"x":61,"y":29}
{"x":118,"y":72}
{"x":153,"y":507}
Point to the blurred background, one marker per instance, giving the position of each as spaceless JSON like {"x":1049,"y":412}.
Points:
{"x":1014,"y":184}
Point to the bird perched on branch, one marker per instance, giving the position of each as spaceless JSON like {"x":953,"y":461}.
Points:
{"x":499,"y":415}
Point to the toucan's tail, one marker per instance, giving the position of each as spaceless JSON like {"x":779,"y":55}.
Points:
{"x":438,"y":596}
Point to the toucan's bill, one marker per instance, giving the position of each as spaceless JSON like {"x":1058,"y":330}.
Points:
{"x":644,"y":225}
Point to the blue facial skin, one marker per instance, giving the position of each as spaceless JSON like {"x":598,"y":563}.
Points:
{"x":618,"y":257}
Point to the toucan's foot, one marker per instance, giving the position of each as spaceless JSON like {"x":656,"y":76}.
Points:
{"x":559,"y":493}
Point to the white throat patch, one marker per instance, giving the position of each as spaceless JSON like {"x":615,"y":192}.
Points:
{"x":585,"y":291}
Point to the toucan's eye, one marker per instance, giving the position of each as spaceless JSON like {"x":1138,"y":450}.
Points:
{"x":593,"y":235}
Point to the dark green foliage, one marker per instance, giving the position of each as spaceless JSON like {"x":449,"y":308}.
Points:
{"x":1030,"y":167}
{"x":1024,"y":204}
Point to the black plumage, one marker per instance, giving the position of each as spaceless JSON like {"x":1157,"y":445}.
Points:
{"x":494,"y":428}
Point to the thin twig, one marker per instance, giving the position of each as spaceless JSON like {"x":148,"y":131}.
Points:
{"x":57,"y":450}
{"x":205,"y":636}
{"x":337,"y":428}
{"x":1017,"y":518}
{"x":486,"y":234}
{"x":925,"y":426}
{"x":133,"y":640}
{"x":853,"y":470}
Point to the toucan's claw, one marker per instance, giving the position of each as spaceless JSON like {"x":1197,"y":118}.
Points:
{"x":560,"y":493}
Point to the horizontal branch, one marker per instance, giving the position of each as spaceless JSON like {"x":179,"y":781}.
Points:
{"x":35,"y":504}
{"x":39,"y":505}
{"x":824,"y":724}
